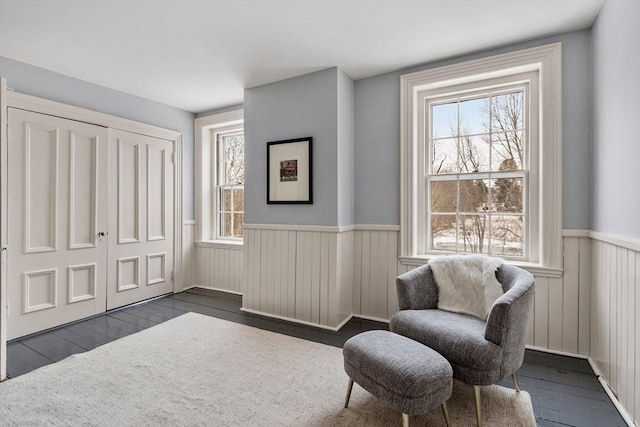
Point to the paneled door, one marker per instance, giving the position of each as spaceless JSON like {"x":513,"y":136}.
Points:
{"x":140,"y":218}
{"x":57,"y":214}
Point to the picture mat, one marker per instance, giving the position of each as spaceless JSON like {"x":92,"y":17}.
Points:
{"x":289,"y":190}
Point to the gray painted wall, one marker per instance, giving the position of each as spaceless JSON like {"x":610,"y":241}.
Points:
{"x":31,"y":80}
{"x":377,"y":134}
{"x":293,"y":108}
{"x":616,"y":145}
{"x":346,"y":183}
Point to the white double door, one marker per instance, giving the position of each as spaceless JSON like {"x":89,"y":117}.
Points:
{"x":90,"y":213}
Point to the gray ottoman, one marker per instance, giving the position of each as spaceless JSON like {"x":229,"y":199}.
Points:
{"x":406,"y":375}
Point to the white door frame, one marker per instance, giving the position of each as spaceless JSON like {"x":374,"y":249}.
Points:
{"x":3,"y":228}
{"x":45,"y":106}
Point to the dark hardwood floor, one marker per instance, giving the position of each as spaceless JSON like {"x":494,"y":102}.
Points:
{"x":564,"y":390}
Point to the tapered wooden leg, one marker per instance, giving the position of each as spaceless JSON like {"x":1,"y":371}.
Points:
{"x":349,"y":388}
{"x":515,"y":382}
{"x":405,"y":420}
{"x":476,"y":392}
{"x":445,"y":411}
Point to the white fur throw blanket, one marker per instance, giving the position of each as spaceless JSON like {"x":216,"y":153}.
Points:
{"x":467,"y":283}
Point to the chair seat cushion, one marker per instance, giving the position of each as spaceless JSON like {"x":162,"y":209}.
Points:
{"x":403,"y":373}
{"x":457,"y":337}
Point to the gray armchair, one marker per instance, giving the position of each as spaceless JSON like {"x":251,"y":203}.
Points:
{"x":480,"y":352}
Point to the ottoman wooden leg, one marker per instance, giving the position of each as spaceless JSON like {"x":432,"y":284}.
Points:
{"x":445,"y":411}
{"x":405,"y":420}
{"x":349,"y":388}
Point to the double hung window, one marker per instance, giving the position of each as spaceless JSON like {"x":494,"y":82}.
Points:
{"x":229,"y":186}
{"x":477,"y":160}
{"x":219,"y":173}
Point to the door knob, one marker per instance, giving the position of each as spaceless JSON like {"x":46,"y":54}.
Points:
{"x":101,"y":234}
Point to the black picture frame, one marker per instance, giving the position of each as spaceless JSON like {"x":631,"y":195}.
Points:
{"x":290,"y":171}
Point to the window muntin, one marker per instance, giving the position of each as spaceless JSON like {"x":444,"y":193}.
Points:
{"x":229,"y":185}
{"x":476,"y":169}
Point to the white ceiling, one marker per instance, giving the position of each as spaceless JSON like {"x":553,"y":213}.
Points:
{"x":198,"y":55}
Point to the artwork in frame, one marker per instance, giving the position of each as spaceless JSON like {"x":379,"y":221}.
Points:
{"x":290,"y":171}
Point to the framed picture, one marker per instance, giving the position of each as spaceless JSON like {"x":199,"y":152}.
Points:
{"x":289,"y":171}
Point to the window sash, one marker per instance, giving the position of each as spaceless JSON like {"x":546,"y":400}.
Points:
{"x":221,"y":212}
{"x":489,"y":214}
{"x":220,"y":186}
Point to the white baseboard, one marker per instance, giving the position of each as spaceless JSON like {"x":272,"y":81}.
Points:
{"x":558,"y":352}
{"x":621,"y":409}
{"x":302,"y":322}
{"x":375,"y":319}
{"x":211,"y":288}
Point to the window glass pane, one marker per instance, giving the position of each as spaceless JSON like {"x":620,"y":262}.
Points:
{"x":507,"y":112}
{"x":474,"y":154}
{"x":506,"y":195}
{"x":444,"y":196}
{"x":221,"y":225}
{"x":506,"y":235}
{"x":226,"y":199}
{"x":238,"y":220}
{"x":507,"y":150}
{"x":233,"y":158}
{"x":474,"y":195}
{"x":238,"y":200}
{"x":444,"y":156}
{"x":473,"y":234}
{"x":226,"y":229}
{"x":444,"y":121}
{"x":443,"y":232}
{"x":474,"y":116}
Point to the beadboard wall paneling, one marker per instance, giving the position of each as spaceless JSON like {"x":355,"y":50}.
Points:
{"x":615,"y":301}
{"x":188,"y":254}
{"x":376,"y":267}
{"x":219,"y":268}
{"x":298,"y":274}
{"x":321,"y":277}
{"x":561,"y":315}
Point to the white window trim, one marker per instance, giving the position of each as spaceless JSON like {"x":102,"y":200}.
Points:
{"x":204,"y":167}
{"x":547,"y":60}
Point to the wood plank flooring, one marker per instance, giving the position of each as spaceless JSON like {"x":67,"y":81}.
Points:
{"x":564,"y":390}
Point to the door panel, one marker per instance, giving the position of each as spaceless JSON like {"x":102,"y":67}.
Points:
{"x":57,"y":204}
{"x":141,"y":181}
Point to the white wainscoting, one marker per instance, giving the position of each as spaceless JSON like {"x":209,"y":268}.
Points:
{"x":302,"y":274}
{"x":561,"y":319}
{"x":299,"y":273}
{"x":615,"y":301}
{"x":219,"y":267}
{"x":188,"y":254}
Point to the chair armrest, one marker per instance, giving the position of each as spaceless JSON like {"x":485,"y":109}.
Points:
{"x":417,"y":289}
{"x":509,"y":315}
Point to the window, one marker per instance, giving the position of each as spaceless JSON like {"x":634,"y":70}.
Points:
{"x":219,"y":174}
{"x":480,"y":160}
{"x":476,"y":144}
{"x":229,"y":185}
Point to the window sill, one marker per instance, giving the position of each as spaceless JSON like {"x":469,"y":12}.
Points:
{"x":235,"y":245}
{"x":533,"y":268}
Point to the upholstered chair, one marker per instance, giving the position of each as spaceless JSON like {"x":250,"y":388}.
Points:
{"x":481,"y":352}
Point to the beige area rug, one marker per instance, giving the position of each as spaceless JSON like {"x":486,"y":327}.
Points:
{"x":196,"y":370}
